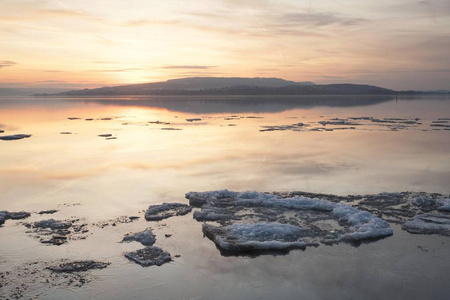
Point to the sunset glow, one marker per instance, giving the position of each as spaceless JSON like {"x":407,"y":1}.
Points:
{"x":78,"y":44}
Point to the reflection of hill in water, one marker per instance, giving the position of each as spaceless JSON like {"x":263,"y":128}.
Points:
{"x":245,"y":104}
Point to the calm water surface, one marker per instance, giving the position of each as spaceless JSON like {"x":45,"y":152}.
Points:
{"x":159,"y":153}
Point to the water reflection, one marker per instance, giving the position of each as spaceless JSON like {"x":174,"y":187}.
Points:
{"x":247,"y":104}
{"x":146,"y":165}
{"x":207,"y":104}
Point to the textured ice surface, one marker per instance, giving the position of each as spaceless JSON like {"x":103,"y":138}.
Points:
{"x":252,"y":220}
{"x":149,"y":256}
{"x":429,"y":224}
{"x":256,"y":236}
{"x":146,"y":237}
{"x":166,"y":210}
{"x":444,"y":204}
{"x":364,"y":225}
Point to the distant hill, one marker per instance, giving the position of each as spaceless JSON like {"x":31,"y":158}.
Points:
{"x":231,"y":86}
{"x":29,"y":91}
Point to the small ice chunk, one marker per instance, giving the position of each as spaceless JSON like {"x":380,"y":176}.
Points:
{"x":256,"y":236}
{"x":3,"y":215}
{"x":14,"y":137}
{"x":52,"y":224}
{"x":50,"y":211}
{"x":166,"y":210}
{"x":78,"y":266}
{"x":18,"y":215}
{"x":149,"y":256}
{"x":428,"y":224}
{"x":146,"y":237}
{"x":197,"y":199}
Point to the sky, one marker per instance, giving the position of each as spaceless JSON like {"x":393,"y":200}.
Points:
{"x":401,"y":44}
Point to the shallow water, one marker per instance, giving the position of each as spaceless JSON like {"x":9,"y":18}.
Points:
{"x":95,"y":178}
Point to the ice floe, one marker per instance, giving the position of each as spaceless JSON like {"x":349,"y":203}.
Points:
{"x":166,"y":210}
{"x":363,"y":123}
{"x":5,"y":215}
{"x":14,"y":137}
{"x":55,"y":232}
{"x":78,"y":266}
{"x":116,"y":221}
{"x":252,"y":221}
{"x":50,"y":211}
{"x":149,"y":256}
{"x":52,"y":224}
{"x":146,"y":237}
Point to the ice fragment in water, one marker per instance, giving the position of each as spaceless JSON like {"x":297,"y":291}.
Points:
{"x":146,"y":237}
{"x":149,"y":256}
{"x":166,"y":210}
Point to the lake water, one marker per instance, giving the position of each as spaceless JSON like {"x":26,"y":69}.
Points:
{"x":159,"y":148}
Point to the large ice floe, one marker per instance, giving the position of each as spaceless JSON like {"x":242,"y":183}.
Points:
{"x":259,"y":221}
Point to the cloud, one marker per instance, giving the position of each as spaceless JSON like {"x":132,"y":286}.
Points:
{"x":7,"y":63}
{"x":51,"y":81}
{"x":137,"y":23}
{"x":117,"y":70}
{"x":332,"y":77}
{"x":61,"y":13}
{"x":195,"y":74}
{"x":189,"y":67}
{"x":307,"y":20}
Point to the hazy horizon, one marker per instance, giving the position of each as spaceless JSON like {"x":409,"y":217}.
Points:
{"x":65,"y":44}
